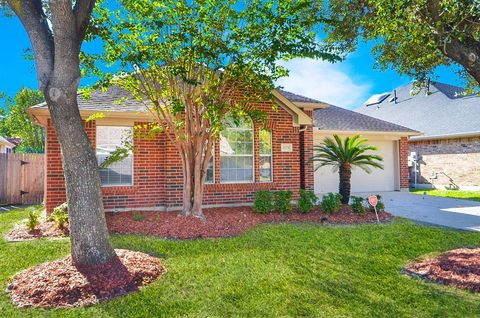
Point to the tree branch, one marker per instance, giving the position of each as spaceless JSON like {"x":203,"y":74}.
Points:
{"x":34,"y":21}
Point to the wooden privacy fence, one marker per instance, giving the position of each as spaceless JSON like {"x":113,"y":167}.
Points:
{"x":21,"y":178}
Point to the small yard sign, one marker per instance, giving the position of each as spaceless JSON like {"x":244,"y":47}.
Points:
{"x":373,"y":200}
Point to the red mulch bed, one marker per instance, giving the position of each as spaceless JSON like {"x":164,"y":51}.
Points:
{"x":224,"y":222}
{"x":459,"y":267}
{"x":45,"y":229}
{"x":61,"y":284}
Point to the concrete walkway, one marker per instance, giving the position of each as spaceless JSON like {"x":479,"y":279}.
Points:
{"x":456,"y":213}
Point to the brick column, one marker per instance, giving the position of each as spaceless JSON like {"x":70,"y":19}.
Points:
{"x":403,"y":160}
{"x":306,"y":153}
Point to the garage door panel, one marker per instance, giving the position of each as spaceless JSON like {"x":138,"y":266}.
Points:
{"x":326,"y":180}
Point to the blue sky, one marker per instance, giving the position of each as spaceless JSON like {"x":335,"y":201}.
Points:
{"x":345,"y":84}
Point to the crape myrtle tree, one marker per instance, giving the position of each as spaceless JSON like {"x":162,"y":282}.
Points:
{"x":412,"y":36}
{"x":343,"y":156}
{"x":56,"y":29}
{"x":196,"y":63}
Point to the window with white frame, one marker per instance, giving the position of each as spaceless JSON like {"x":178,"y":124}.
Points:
{"x":236,"y":151}
{"x":109,"y":139}
{"x":266,"y":162}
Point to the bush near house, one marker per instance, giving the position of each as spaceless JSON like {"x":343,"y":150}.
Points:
{"x":33,"y":220}
{"x":263,"y":202}
{"x":282,"y":201}
{"x":357,"y":204}
{"x":307,"y":200}
{"x":331,"y":203}
{"x":60,"y":215}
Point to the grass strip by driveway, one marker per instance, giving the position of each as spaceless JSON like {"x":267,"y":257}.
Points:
{"x":273,"y":270}
{"x":456,"y":194}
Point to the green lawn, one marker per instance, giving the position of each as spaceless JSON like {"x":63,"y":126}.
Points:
{"x":457,"y":194}
{"x":273,"y":270}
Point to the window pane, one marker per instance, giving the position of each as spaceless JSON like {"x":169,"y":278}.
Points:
{"x":265,"y":142}
{"x":210,"y":177}
{"x":110,"y":138}
{"x":266,"y":168}
{"x":236,"y":151}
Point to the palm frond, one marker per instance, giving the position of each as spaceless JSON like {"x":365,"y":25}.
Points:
{"x":352,"y":150}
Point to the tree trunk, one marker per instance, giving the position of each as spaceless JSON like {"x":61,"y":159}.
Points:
{"x":345,"y":172}
{"x":88,"y":228}
{"x":195,"y":163}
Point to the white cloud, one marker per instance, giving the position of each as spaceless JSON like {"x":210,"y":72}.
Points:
{"x":324,"y":81}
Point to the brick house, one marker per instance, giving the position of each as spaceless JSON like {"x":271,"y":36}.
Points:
{"x":247,"y":158}
{"x":447,"y":154}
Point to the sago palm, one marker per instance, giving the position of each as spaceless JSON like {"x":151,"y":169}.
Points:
{"x":343,"y":155}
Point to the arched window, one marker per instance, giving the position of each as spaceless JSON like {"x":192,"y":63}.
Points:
{"x":236,"y":151}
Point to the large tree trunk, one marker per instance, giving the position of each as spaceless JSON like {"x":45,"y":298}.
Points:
{"x":88,"y":227}
{"x":345,"y":173}
{"x":56,"y":41}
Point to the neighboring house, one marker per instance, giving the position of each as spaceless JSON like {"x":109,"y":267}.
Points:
{"x":6,"y":146}
{"x":247,"y":158}
{"x":447,"y":154}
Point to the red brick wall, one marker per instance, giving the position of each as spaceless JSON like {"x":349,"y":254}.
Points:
{"x":306,"y":153}
{"x":158,"y":178}
{"x":403,"y":160}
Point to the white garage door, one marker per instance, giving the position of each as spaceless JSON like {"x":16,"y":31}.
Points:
{"x":378,"y":180}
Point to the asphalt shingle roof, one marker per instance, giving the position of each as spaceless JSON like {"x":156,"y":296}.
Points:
{"x":113,"y":99}
{"x":445,"y":111}
{"x":297,"y":98}
{"x":341,"y":119}
{"x":330,"y":118}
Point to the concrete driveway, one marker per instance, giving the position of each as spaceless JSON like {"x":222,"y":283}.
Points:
{"x":456,"y":213}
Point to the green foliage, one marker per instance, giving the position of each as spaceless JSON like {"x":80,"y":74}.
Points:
{"x":307,"y":200}
{"x":352,"y":150}
{"x":282,"y":201}
{"x":263,"y":202}
{"x":138,"y":216}
{"x":195,"y":63}
{"x":17,"y":123}
{"x":343,"y":155}
{"x":357,"y":204}
{"x":33,"y":220}
{"x":414,"y":37}
{"x":331,"y":203}
{"x":60,"y":215}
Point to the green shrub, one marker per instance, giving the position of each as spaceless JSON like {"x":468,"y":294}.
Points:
{"x":138,"y":216}
{"x":357,"y":204}
{"x":331,"y":203}
{"x":263,"y":202}
{"x":282,"y":201}
{"x":33,"y":220}
{"x":307,"y":201}
{"x":380,"y":205}
{"x":60,"y":215}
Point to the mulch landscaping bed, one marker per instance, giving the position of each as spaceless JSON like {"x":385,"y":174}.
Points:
{"x":224,"y":222}
{"x":45,"y":229}
{"x":458,"y":267}
{"x":61,"y":284}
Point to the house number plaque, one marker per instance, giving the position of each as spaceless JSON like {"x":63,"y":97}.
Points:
{"x":287,"y":147}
